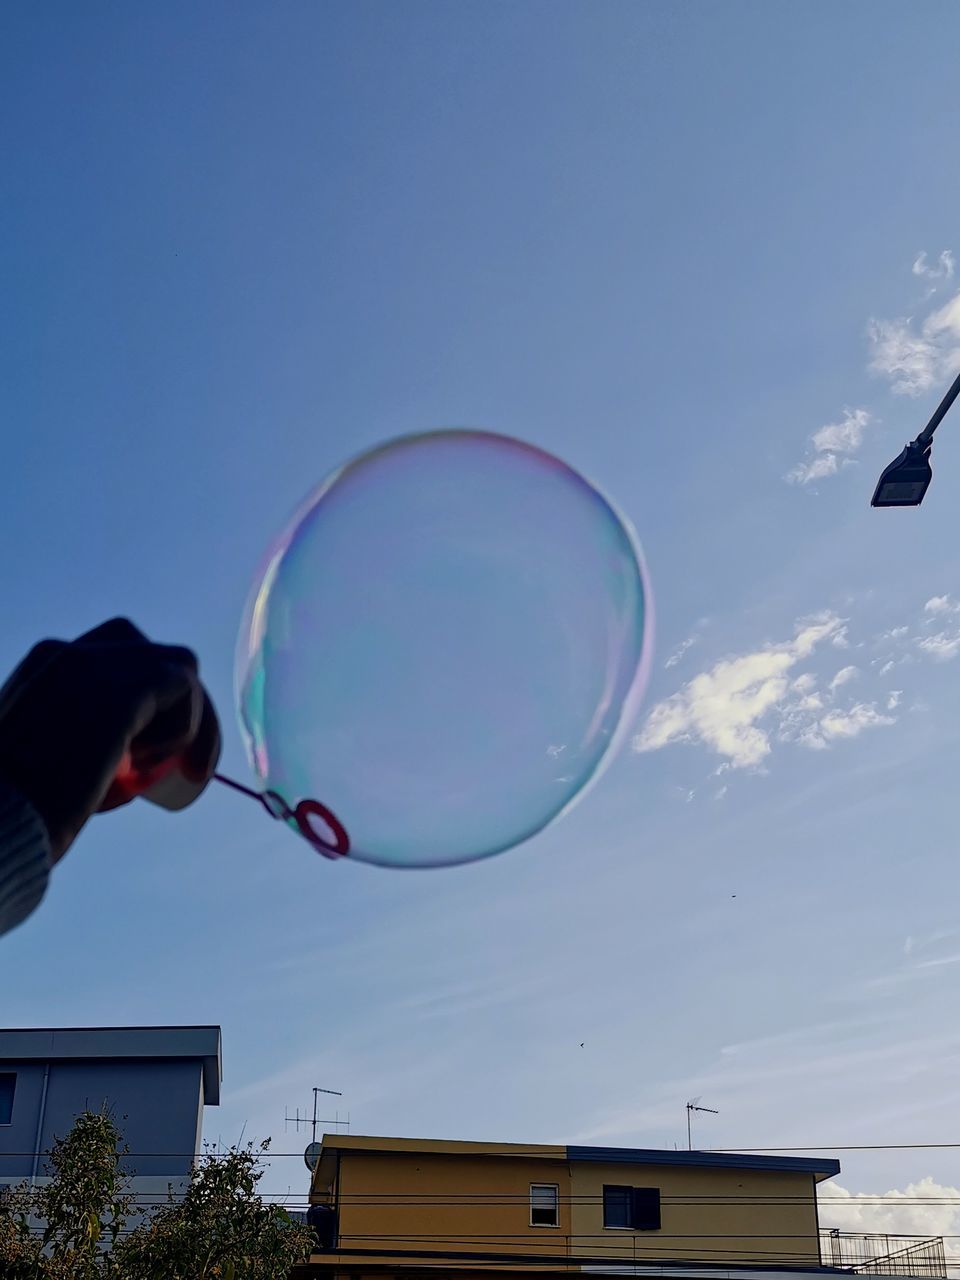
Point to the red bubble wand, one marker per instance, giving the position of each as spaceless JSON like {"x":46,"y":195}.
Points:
{"x":166,"y":785}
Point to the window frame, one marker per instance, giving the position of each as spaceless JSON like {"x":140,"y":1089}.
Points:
{"x":629,"y":1193}
{"x":6,"y":1124}
{"x":618,"y":1186}
{"x":554,"y":1187}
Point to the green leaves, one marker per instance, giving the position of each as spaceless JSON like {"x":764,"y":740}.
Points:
{"x":220,"y":1229}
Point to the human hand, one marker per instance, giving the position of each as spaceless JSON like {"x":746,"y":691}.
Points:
{"x":72,"y":712}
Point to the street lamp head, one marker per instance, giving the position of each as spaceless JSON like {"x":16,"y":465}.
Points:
{"x":905,"y":481}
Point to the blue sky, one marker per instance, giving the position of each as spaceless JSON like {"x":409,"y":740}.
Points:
{"x":678,"y":245}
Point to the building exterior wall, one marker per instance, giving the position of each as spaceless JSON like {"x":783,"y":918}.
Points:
{"x":412,"y":1202}
{"x":153,"y":1081}
{"x":154,"y":1103}
{"x":18,"y":1139}
{"x":409,"y":1203}
{"x":720,"y":1216}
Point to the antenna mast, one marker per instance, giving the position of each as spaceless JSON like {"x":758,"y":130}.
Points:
{"x":694,"y":1105}
{"x":297,"y":1120}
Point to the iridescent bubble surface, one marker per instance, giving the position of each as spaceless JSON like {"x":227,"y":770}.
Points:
{"x":443,"y":648}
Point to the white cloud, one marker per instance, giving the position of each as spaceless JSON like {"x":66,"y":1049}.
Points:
{"x":845,"y":436}
{"x":924,"y":1208}
{"x":851,"y":723}
{"x":939,"y":604}
{"x":942,"y":271}
{"x":722,"y":708}
{"x":817,"y":469}
{"x":832,"y":446}
{"x":915,"y":359}
{"x":893,"y":699}
{"x":887,"y":666}
{"x":895,"y":633}
{"x":679,"y":651}
{"x":943,"y":646}
{"x":741,"y":704}
{"x":843,"y":676}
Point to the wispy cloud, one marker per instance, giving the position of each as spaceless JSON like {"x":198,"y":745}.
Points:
{"x":916,"y":357}
{"x":679,"y":651}
{"x":843,"y":676}
{"x":829,"y":1061}
{"x":832,"y":447}
{"x":943,"y":270}
{"x":852,"y":722}
{"x":943,"y":646}
{"x":940,"y":611}
{"x":736,"y":706}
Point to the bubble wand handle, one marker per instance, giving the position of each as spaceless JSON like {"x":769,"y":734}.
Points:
{"x":318,"y":825}
{"x":246,"y":791}
{"x":165,"y":785}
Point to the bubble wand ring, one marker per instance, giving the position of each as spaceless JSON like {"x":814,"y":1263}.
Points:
{"x":277,"y":807}
{"x":165,"y":785}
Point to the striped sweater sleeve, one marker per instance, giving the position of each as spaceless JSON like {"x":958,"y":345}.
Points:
{"x":24,"y":859}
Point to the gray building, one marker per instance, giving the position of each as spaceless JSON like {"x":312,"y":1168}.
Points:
{"x":154,"y":1082}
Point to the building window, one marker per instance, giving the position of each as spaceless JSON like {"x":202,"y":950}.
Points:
{"x":631,"y":1208}
{"x":8,"y":1083}
{"x":544,"y":1204}
{"x":617,"y":1207}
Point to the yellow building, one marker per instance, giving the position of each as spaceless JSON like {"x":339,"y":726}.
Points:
{"x":394,"y":1206}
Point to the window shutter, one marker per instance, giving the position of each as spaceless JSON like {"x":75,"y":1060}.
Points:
{"x":645,"y":1208}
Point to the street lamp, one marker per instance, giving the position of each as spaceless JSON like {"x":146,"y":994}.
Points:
{"x":907,"y":478}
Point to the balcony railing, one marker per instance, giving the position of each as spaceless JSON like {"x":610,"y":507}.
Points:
{"x":883,"y":1255}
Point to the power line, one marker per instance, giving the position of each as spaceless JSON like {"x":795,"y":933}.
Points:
{"x":515,"y":1199}
{"x":562,"y":1159}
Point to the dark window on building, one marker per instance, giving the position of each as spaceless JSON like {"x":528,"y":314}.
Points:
{"x":631,"y":1208}
{"x":323,"y":1219}
{"x":616,"y":1207}
{"x":8,"y":1084}
{"x":544,"y":1204}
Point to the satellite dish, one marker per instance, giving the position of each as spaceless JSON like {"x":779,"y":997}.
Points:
{"x":311,"y":1157}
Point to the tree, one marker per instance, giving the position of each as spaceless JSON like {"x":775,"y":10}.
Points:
{"x":19,"y":1246}
{"x":85,"y":1205}
{"x":220,"y":1229}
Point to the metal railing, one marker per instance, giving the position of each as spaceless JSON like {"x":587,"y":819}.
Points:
{"x":883,"y":1255}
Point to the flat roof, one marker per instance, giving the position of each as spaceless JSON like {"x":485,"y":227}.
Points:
{"x":819,"y":1168}
{"x":440,"y":1147}
{"x":43,"y":1044}
{"x":822,"y":1168}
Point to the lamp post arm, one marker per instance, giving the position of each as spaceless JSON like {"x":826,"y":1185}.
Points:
{"x":926,"y":435}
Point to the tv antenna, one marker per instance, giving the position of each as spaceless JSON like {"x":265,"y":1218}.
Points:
{"x":692,"y":1106}
{"x":297,"y":1119}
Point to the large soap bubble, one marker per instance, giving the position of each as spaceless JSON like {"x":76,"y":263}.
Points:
{"x":444,"y":646}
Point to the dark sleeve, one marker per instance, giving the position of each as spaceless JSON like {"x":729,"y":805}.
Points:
{"x":24,"y":859}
